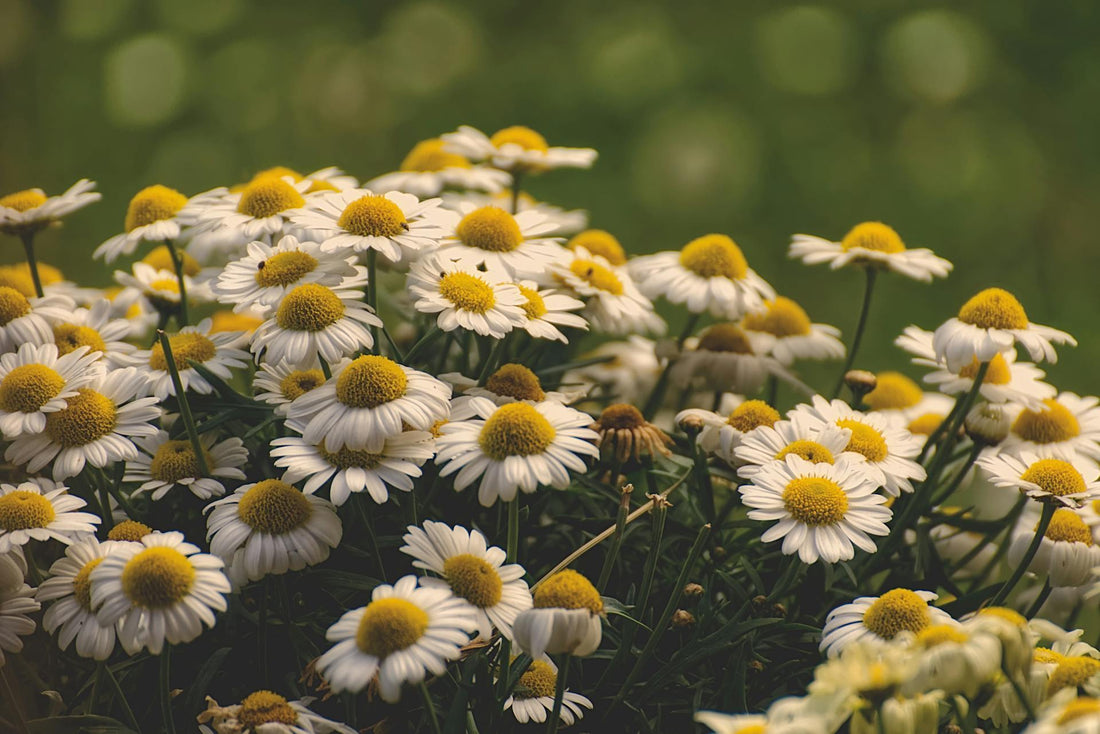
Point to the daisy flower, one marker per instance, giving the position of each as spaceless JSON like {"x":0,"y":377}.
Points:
{"x":473,"y":571}
{"x":953,"y":658}
{"x":97,"y":426}
{"x":35,"y":382}
{"x":1063,"y":427}
{"x":873,"y":245}
{"x":27,"y":320}
{"x":515,"y":148}
{"x":95,"y":329}
{"x":225,"y":220}
{"x":623,"y":434}
{"x":30,"y":210}
{"x":789,"y":334}
{"x":404,"y":632}
{"x":546,"y":310}
{"x":880,"y":617}
{"x":150,"y":217}
{"x":1068,"y":715}
{"x":989,"y":323}
{"x":725,"y":358}
{"x":279,"y":384}
{"x":160,"y":286}
{"x":490,"y":238}
{"x":509,"y":383}
{"x":360,"y":220}
{"x":348,"y":471}
{"x":368,"y":400}
{"x":599,"y":242}
{"x":325,"y":179}
{"x":466,"y":298}
{"x":216,"y":352}
{"x":16,"y":606}
{"x":264,"y":276}
{"x":270,"y":528}
{"x":266,"y":712}
{"x":901,"y":399}
{"x":814,"y":442}
{"x":428,"y":169}
{"x":1070,"y":481}
{"x":1067,"y":553}
{"x":564,"y":221}
{"x":888,"y":448}
{"x":721,"y":435}
{"x":69,"y":587}
{"x":313,"y":321}
{"x":515,"y":446}
{"x":613,"y":303}
{"x":566,"y":617}
{"x":164,"y":464}
{"x":39,"y":509}
{"x":533,"y":698}
{"x":628,"y":371}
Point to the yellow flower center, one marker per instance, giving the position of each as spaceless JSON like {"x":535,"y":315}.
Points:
{"x":373,"y":216}
{"x":226,"y":320}
{"x":267,"y":196}
{"x":175,"y":460}
{"x":1068,"y":527}
{"x":873,"y":236}
{"x":23,"y":509}
{"x":473,"y":579}
{"x":13,"y":304}
{"x":390,"y":625}
{"x":727,"y":337}
{"x":998,"y":373}
{"x":994,"y":308}
{"x":299,"y":382}
{"x":1009,"y":615}
{"x":1079,"y":708}
{"x":167,"y":284}
{"x":1072,"y":672}
{"x":714,"y":256}
{"x":467,"y":292}
{"x":490,"y":228}
{"x":284,"y":268}
{"x":274,"y":507}
{"x":517,"y":382}
{"x":309,"y":307}
{"x":21,"y":201}
{"x":515,"y":429}
{"x":82,"y":584}
{"x":161,"y":259}
{"x":347,"y":458}
{"x":535,"y":307}
{"x":1057,"y":477}
{"x":815,"y":501}
{"x":524,"y":137}
{"x":129,"y":530}
{"x":893,"y":391}
{"x":428,"y":155}
{"x":597,"y":276}
{"x":87,"y":417}
{"x":568,"y":590}
{"x":894,"y":611}
{"x":621,"y":417}
{"x":186,"y":347}
{"x":811,"y":451}
{"x":865,"y":440}
{"x":600,"y":242}
{"x":265,"y":707}
{"x":370,"y":381}
{"x":1046,"y":655}
{"x":752,"y":729}
{"x":153,"y":204}
{"x":539,"y":680}
{"x":925,"y":424}
{"x":938,"y":634}
{"x":781,"y":317}
{"x":70,"y":337}
{"x":1053,"y":424}
{"x":12,"y":276}
{"x":157,"y":577}
{"x":28,"y":387}
{"x":278,"y":172}
{"x":752,"y":414}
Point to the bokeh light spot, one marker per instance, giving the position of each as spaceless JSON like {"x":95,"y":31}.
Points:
{"x":145,"y":80}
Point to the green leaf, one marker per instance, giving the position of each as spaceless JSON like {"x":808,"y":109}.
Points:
{"x":201,"y":684}
{"x":89,"y":724}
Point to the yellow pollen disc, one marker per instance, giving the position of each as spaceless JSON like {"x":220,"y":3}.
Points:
{"x":309,"y":307}
{"x":601,"y":243}
{"x":265,"y":707}
{"x":467,"y":292}
{"x":28,"y":387}
{"x":12,"y":276}
{"x":752,"y":414}
{"x":161,"y":259}
{"x":568,"y":590}
{"x":925,"y":424}
{"x":429,"y":156}
{"x":865,"y":440}
{"x":809,"y":450}
{"x":284,"y":268}
{"x":370,"y":381}
{"x":129,"y":530}
{"x":266,"y":197}
{"x":815,"y":501}
{"x":165,"y":285}
{"x":1009,"y":615}
{"x":1055,"y":476}
{"x":69,"y":337}
{"x":278,"y":172}
{"x":781,"y":317}
{"x":714,"y":256}
{"x":1046,"y":655}
{"x":1072,"y":672}
{"x":23,"y":510}
{"x":226,"y":320}
{"x":373,"y":216}
{"x":472,"y":578}
{"x":539,"y":680}
{"x":13,"y":304}
{"x":87,"y":417}
{"x":535,"y":307}
{"x":1053,"y":424}
{"x":175,"y":460}
{"x":390,"y":625}
{"x":347,"y":458}
{"x":728,"y":337}
{"x":490,"y":228}
{"x":621,"y":416}
{"x":998,"y":373}
{"x":153,"y":204}
{"x":517,"y":382}
{"x":597,"y":276}
{"x":515,"y":429}
{"x":873,"y":236}
{"x":994,"y":308}
{"x":1079,"y":708}
{"x":893,"y":391}
{"x":752,"y":729}
{"x":157,"y":577}
{"x":894,"y":611}
{"x":82,"y":584}
{"x":938,"y":634}
{"x":1068,"y":527}
{"x":22,"y":201}
{"x":299,"y":382}
{"x":274,"y":507}
{"x":185,"y":346}
{"x":524,"y":137}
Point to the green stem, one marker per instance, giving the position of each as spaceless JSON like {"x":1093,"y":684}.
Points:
{"x":1021,"y":568}
{"x":771,"y":391}
{"x":130,"y":718}
{"x":512,"y":548}
{"x":861,"y":325}
{"x":364,"y":515}
{"x":703,"y":485}
{"x":177,"y":264}
{"x":261,"y":630}
{"x":975,"y":452}
{"x":165,"y":690}
{"x":105,"y":498}
{"x":490,"y":361}
{"x":32,"y":263}
{"x":517,"y":178}
{"x":657,"y":397}
{"x":1024,"y":700}
{"x":1039,"y":600}
{"x":424,"y":341}
{"x":617,"y":538}
{"x":429,"y":705}
{"x":185,"y":407}
{"x":372,"y":295}
{"x":880,"y":719}
{"x":559,"y":694}
{"x":10,"y":694}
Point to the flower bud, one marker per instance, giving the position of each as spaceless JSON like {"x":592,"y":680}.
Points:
{"x":682,"y":618}
{"x":987,"y":424}
{"x":860,"y":382}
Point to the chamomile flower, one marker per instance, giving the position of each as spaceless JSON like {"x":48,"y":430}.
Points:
{"x":35,"y":382}
{"x":725,"y":358}
{"x":515,"y":148}
{"x":466,"y":298}
{"x":27,"y":320}
{"x":1068,"y":715}
{"x":533,"y":698}
{"x":428,"y":169}
{"x":900,"y":398}
{"x":69,"y":587}
{"x":721,"y":435}
{"x":509,"y":383}
{"x":30,"y":210}
{"x":218,"y":353}
{"x":280,"y":383}
{"x":881,"y":617}
{"x":625,"y":434}
{"x":628,"y":371}
{"x":164,"y":464}
{"x":266,"y":712}
{"x":225,"y":220}
{"x":815,"y":442}
{"x":97,"y":426}
{"x":954,"y":658}
{"x":513,"y":246}
{"x":564,"y":221}
{"x":95,"y":329}
{"x":150,"y":217}
{"x":16,"y":606}
{"x":1063,"y":427}
{"x":313,"y":321}
{"x":517,"y":446}
{"x":473,"y":571}
{"x":404,"y":632}
{"x":989,"y":323}
{"x":39,"y":509}
{"x":566,"y":617}
{"x":546,"y":310}
{"x":1066,"y":554}
{"x":270,"y":528}
{"x":789,"y":333}
{"x":613,"y":303}
{"x":158,"y":589}
{"x":160,"y":287}
{"x":1069,"y":482}
{"x":872,"y":245}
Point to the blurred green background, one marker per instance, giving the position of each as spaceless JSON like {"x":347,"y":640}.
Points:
{"x":971,"y":127}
